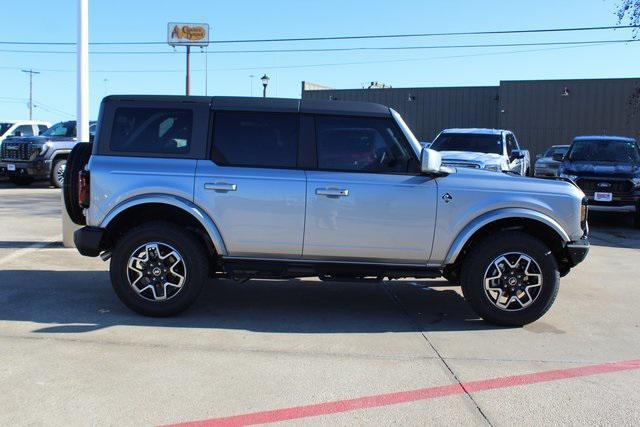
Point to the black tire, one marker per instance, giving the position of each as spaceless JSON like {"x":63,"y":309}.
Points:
{"x":77,"y":160}
{"x":636,"y":217}
{"x":57,"y":171}
{"x":481,"y":257}
{"x":20,"y":181}
{"x":192,"y":252}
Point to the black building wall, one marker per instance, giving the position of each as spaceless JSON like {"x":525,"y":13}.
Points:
{"x":541,"y":113}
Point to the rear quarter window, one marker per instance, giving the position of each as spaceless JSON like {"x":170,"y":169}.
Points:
{"x":152,"y":130}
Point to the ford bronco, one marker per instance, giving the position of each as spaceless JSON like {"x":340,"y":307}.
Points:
{"x":175,"y":189}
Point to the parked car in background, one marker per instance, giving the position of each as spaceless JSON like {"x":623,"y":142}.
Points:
{"x":546,"y":165}
{"x":28,"y":158}
{"x":20,"y":128}
{"x":175,"y":189}
{"x":490,"y":149}
{"x":607,"y":169}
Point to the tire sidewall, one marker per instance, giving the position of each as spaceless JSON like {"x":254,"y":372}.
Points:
{"x":479,"y":260}
{"x":192,"y":255}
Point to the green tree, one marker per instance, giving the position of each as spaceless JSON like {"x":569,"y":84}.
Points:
{"x":629,"y":13}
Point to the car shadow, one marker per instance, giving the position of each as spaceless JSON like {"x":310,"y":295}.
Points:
{"x":83,"y":301}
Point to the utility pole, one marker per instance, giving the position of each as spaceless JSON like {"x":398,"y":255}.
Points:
{"x":31,"y":73}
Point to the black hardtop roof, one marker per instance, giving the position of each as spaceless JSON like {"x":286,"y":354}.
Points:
{"x":264,"y":104}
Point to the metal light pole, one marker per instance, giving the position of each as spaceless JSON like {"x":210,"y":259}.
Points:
{"x":82,"y":96}
{"x":265,"y":82}
{"x":188,"y":89}
{"x":82,"y":123}
{"x":31,"y":73}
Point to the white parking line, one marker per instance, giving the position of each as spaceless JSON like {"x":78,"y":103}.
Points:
{"x":30,"y":249}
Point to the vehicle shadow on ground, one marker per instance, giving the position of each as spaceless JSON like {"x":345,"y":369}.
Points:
{"x":83,"y":301}
{"x":613,"y":230}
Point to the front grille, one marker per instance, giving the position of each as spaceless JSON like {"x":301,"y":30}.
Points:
{"x":18,"y":150}
{"x":461,"y":164}
{"x":592,"y":185}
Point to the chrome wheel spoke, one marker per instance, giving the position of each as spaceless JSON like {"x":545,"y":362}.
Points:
{"x":513,"y":281}
{"x":156,"y":271}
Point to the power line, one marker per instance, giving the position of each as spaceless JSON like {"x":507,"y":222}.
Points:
{"x":346,"y":37}
{"x":341,"y":49}
{"x":155,"y":70}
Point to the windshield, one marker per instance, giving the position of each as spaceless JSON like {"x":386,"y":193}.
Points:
{"x":604,"y":150}
{"x":4,"y":127}
{"x":61,"y":129}
{"x":476,"y":143}
{"x":556,"y":150}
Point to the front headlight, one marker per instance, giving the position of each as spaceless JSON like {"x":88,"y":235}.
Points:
{"x":45,"y":147}
{"x":571,"y":177}
{"x":493,"y":168}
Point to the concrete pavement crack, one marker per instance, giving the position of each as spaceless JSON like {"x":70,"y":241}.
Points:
{"x":430,"y":344}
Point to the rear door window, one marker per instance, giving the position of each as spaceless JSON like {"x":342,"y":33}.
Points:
{"x":41,"y":128}
{"x":152,"y":130}
{"x":256,"y":139}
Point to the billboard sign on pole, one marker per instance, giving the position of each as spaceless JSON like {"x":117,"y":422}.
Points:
{"x":184,"y":34}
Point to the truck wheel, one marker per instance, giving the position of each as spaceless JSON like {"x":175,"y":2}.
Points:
{"x":77,"y":160}
{"x":57,"y":173}
{"x":158,"y":269}
{"x":20,"y":181}
{"x":510,"y":279}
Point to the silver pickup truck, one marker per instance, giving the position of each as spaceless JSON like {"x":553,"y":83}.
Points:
{"x":175,"y":190}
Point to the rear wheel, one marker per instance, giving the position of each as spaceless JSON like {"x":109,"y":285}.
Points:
{"x":57,"y":173}
{"x":158,"y":269}
{"x":510,"y":279}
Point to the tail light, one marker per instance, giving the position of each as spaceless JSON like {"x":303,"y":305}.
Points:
{"x":84,"y":190}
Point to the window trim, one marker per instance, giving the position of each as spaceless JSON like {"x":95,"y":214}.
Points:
{"x":413,"y":157}
{"x":211,"y":139}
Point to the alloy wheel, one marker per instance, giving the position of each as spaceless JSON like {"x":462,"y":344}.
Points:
{"x":156,"y":271}
{"x":513,"y":281}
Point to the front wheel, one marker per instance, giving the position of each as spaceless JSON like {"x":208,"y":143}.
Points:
{"x":510,"y":279}
{"x":57,"y":173}
{"x":158,"y":269}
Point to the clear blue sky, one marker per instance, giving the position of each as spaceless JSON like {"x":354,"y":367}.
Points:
{"x":121,"y":20}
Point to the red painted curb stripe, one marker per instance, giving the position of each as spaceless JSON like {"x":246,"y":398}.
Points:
{"x":411,"y":396}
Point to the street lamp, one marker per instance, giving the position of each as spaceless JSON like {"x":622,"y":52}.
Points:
{"x":265,"y":82}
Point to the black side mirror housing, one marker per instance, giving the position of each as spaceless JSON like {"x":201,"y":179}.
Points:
{"x":517,"y":154}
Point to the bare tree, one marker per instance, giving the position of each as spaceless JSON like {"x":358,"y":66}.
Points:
{"x":629,"y":12}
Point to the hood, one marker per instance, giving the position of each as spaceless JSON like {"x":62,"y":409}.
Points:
{"x":39,"y":139}
{"x":547,"y":161}
{"x":602,"y":169}
{"x":467,"y":156}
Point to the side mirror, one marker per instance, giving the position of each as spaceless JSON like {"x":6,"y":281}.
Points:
{"x":18,"y":134}
{"x":430,"y":161}
{"x":558,"y":157}
{"x":517,"y":154}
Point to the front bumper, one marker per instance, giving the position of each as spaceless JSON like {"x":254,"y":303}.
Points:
{"x":89,"y":240}
{"x":577,"y":251}
{"x":32,"y":168}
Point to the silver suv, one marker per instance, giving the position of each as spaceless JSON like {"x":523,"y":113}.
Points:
{"x":175,"y":190}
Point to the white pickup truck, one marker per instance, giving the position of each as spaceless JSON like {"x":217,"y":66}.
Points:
{"x":491,"y":149}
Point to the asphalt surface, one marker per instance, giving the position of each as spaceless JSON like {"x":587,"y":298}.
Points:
{"x":72,"y":354}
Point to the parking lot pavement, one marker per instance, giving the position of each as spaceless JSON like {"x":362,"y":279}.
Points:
{"x":70,"y":353}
